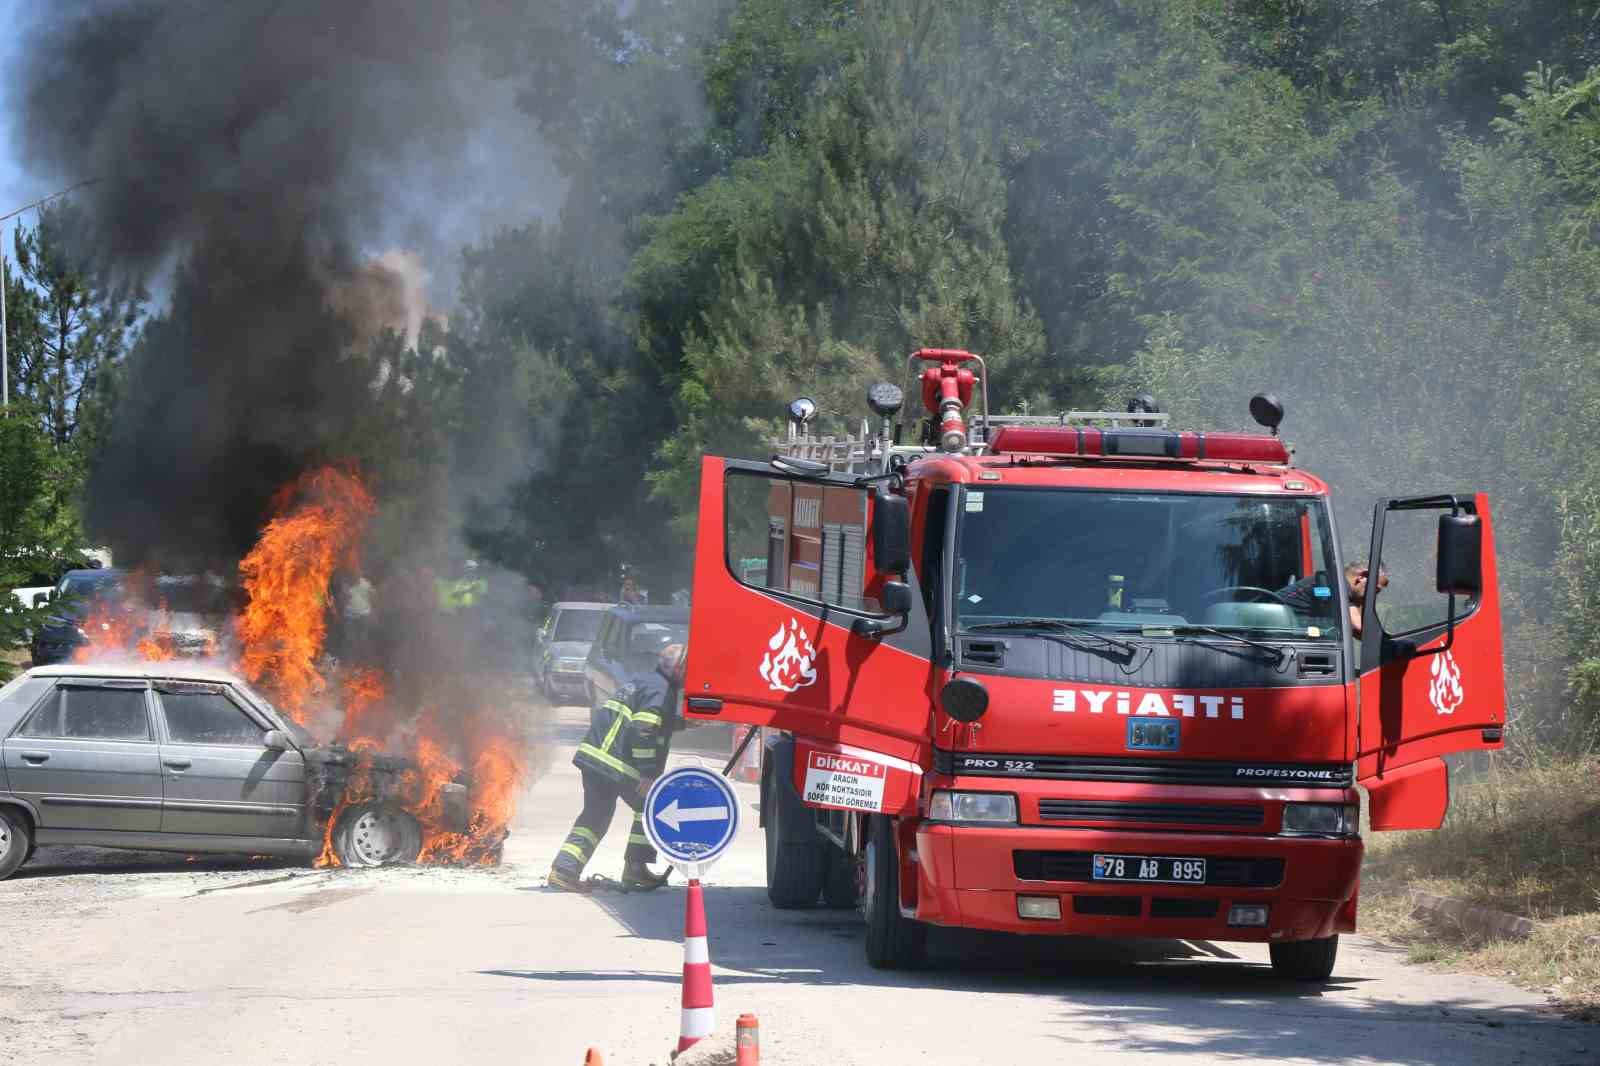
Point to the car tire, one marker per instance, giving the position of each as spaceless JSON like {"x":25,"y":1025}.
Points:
{"x":1305,"y":960}
{"x":795,"y":869}
{"x":16,"y":841}
{"x":840,"y":887}
{"x":376,"y":834}
{"x":894,"y":942}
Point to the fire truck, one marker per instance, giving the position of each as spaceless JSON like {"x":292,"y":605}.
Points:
{"x":1084,"y":674}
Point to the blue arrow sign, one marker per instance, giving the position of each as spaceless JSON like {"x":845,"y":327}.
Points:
{"x":691,"y":815}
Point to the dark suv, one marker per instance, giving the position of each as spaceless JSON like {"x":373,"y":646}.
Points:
{"x":629,"y":641}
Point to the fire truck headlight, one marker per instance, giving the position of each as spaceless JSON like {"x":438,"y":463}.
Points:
{"x":996,"y":807}
{"x":1321,"y":819}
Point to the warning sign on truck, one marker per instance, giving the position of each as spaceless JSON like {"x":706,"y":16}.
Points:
{"x":844,"y":781}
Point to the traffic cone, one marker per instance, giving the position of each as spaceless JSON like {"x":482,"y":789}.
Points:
{"x":698,"y":1014}
{"x":748,"y":1040}
{"x":594,"y":1058}
{"x":749,"y":768}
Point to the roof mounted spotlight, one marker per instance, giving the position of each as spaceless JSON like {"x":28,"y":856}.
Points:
{"x":1144,"y":403}
{"x":802,"y":410}
{"x":1267,"y":410}
{"x":885,"y":399}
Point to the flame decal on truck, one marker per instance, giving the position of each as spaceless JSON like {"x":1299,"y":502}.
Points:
{"x":787,"y":665}
{"x":1445,"y":691}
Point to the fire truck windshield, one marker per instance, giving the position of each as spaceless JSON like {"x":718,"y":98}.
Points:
{"x":1147,"y":560}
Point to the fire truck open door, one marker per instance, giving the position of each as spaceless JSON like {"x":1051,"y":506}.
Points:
{"x":787,"y":630}
{"x":1432,"y":674}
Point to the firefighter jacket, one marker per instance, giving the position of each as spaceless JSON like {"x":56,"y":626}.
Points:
{"x":629,"y":734}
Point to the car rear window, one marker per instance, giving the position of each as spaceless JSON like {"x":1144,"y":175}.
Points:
{"x":577,"y":625}
{"x":72,"y":713}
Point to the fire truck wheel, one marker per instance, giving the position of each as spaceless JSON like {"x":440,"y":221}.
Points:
{"x":1305,"y":960}
{"x":376,"y":834}
{"x":795,"y":869}
{"x":840,"y":886}
{"x":16,"y":842}
{"x":894,"y":942}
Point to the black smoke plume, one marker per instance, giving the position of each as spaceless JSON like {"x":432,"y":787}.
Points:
{"x":267,"y":150}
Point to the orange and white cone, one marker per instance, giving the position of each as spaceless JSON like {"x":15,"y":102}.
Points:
{"x":749,"y":767}
{"x":699,"y":1016}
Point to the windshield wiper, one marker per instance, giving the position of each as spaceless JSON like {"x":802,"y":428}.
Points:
{"x":1278,"y":654}
{"x":1077,"y":629}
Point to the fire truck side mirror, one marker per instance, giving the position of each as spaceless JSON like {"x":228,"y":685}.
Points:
{"x":891,"y":533}
{"x":1460,"y":555}
{"x":896,"y":597}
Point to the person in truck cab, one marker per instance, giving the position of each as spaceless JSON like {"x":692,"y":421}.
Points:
{"x":1303,"y":594}
{"x":1355,"y":576}
{"x":620,"y":757}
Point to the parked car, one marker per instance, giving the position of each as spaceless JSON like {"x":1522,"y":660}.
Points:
{"x":177,"y":757}
{"x":563,"y":648}
{"x":630,"y":638}
{"x":79,"y":594}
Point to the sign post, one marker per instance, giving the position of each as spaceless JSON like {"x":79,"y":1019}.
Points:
{"x":691,"y":816}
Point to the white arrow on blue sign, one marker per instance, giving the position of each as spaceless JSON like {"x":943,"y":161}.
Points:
{"x":691,"y":815}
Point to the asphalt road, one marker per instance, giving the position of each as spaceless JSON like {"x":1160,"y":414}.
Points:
{"x":144,"y":959}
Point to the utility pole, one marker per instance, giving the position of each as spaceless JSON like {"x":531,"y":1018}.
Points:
{"x":5,"y":354}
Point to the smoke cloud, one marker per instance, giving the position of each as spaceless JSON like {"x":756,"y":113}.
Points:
{"x":273,"y":152}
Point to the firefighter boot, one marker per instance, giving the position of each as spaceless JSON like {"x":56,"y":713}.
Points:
{"x":565,"y":880}
{"x":636,"y":876}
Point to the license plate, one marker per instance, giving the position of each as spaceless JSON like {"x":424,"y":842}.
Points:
{"x":1151,"y":868}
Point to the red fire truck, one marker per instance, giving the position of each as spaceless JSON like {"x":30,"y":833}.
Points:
{"x":1085,"y":674}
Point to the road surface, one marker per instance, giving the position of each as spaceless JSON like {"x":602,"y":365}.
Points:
{"x":133,"y":959}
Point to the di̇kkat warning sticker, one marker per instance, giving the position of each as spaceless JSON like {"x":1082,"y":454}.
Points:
{"x":845,"y":781}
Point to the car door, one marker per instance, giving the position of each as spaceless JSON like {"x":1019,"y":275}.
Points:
{"x":785,"y":630}
{"x":220,"y":777}
{"x":605,"y":657}
{"x":1432,"y":674}
{"x":86,"y":758}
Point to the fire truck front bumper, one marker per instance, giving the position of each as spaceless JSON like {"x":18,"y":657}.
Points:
{"x":1021,"y":879}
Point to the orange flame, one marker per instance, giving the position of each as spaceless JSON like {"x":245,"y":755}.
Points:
{"x":317,"y":523}
{"x":108,"y":634}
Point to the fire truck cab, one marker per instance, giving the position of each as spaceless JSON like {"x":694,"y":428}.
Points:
{"x":1086,"y":674}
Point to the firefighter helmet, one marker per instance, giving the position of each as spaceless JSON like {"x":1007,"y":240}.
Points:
{"x":670,"y":662}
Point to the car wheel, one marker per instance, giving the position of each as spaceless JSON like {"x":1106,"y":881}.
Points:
{"x":376,"y":834}
{"x":795,"y":870}
{"x":16,"y":841}
{"x":1305,"y":960}
{"x":894,"y":942}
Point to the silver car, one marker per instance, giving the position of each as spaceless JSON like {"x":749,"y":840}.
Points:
{"x":177,"y":757}
{"x":563,"y":648}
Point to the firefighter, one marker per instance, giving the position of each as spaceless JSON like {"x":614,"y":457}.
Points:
{"x":620,"y":758}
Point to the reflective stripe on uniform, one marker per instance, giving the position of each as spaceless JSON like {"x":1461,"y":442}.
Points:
{"x":575,"y":851}
{"x":638,"y":838}
{"x":644,"y":753}
{"x":608,"y":759}
{"x":580,"y":831}
{"x":647,"y":717}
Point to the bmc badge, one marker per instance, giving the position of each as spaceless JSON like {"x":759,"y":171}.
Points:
{"x":789,"y":662}
{"x":1444,"y":688}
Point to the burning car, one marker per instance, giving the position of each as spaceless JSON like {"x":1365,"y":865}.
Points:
{"x":166,"y":756}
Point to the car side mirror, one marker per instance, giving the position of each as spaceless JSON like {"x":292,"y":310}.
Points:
{"x":1460,"y":555}
{"x":891,"y":534}
{"x":40,"y":598}
{"x":275,"y":740}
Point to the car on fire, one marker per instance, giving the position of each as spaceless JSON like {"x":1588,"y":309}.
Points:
{"x":563,"y":649}
{"x":174,"y":756}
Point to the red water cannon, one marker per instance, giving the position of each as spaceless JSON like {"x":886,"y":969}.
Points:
{"x":947,"y":391}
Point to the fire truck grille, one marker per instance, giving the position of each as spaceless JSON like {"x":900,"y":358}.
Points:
{"x":1060,"y":810}
{"x":1075,"y":866}
{"x":1143,"y":770}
